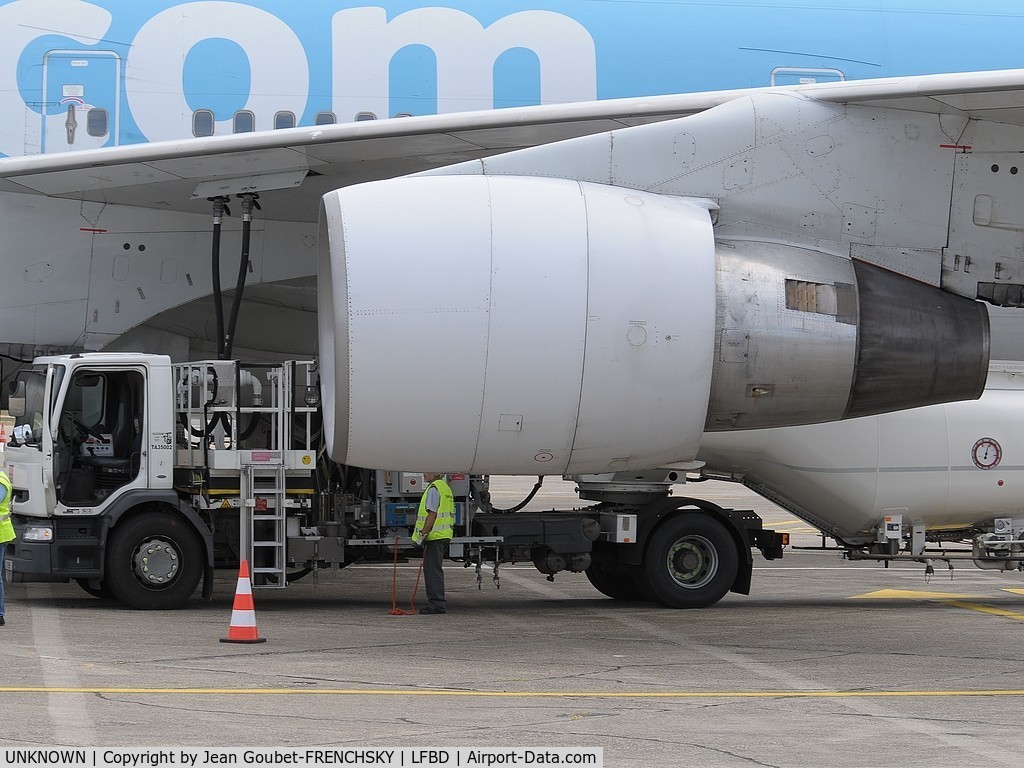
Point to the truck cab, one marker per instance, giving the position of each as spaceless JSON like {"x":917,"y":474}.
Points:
{"x":86,"y":449}
{"x":84,"y":433}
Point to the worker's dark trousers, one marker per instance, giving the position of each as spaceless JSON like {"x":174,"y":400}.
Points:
{"x":434,"y":552}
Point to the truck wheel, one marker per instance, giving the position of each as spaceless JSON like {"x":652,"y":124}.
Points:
{"x":618,"y":586}
{"x":154,"y":561}
{"x":691,"y":562}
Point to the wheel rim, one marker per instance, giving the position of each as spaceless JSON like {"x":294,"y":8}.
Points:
{"x":156,"y":562}
{"x":692,"y":562}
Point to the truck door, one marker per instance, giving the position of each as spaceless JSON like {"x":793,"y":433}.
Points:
{"x":101,"y":434}
{"x":80,"y":100}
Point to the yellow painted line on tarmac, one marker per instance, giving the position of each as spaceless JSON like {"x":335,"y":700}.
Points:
{"x":519,"y":694}
{"x":1014,"y":591}
{"x":954,"y":601}
{"x":985,"y":609}
{"x":910,"y":594}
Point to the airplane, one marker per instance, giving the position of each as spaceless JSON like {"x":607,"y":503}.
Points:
{"x":849,"y":191}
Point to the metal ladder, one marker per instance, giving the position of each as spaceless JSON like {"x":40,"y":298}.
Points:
{"x":264,"y":510}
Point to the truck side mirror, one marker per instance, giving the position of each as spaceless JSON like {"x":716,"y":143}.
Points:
{"x":16,"y":398}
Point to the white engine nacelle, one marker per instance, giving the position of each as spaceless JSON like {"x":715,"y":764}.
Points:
{"x":527,"y":325}
{"x":546,"y":326}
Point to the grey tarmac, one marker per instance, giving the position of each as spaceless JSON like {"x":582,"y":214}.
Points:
{"x":826,"y":663}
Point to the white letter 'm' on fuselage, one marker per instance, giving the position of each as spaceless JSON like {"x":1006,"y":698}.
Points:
{"x":365,"y":42}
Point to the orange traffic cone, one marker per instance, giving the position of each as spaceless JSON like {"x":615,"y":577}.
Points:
{"x":243,"y":613}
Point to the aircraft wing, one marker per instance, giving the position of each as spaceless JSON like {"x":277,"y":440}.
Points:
{"x":293,"y":168}
{"x":996,"y":95}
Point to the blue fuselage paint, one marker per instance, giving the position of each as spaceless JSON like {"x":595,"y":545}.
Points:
{"x":78,"y":74}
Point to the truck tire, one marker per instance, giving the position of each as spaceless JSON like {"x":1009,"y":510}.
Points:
{"x":618,"y":586}
{"x":154,"y":561}
{"x":691,"y":561}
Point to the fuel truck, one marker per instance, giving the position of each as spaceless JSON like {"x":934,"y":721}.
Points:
{"x":137,"y":477}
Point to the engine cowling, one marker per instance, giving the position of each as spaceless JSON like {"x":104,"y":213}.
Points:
{"x":548,"y":326}
{"x":513,"y":325}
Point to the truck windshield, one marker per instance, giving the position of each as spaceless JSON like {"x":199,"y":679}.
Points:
{"x":35,"y":402}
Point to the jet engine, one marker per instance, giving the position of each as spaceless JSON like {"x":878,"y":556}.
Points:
{"x":503,"y":324}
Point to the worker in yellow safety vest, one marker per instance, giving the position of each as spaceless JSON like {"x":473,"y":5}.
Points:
{"x":6,"y":532}
{"x":435,"y":523}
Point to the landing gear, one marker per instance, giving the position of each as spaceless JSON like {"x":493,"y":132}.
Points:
{"x":691,"y":562}
{"x":155,"y":561}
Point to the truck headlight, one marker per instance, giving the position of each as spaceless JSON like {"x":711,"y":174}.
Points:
{"x":37,"y":533}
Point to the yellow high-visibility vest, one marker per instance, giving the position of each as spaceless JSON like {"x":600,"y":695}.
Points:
{"x":444,"y":523}
{"x":6,"y":526}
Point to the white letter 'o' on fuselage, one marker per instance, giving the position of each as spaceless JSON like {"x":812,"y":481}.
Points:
{"x":279,"y":73}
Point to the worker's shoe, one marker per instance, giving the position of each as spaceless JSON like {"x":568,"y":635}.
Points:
{"x":433,"y":609}
{"x":2,"y":622}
